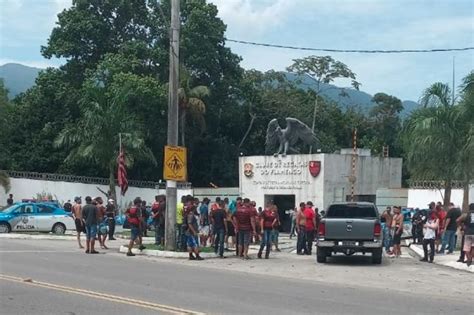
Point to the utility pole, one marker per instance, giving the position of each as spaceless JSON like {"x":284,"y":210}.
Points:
{"x":454,"y":75}
{"x":171,"y":186}
{"x":314,"y":119}
{"x":353,"y":177}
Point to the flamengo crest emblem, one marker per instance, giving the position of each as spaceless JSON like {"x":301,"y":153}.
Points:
{"x":314,"y":168}
{"x":248,"y":169}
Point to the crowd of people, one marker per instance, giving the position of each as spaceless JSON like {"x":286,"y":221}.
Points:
{"x":228,"y":225}
{"x":94,"y":219}
{"x":436,"y":229}
{"x":223,"y":225}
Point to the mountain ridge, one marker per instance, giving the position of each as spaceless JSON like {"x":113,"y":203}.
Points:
{"x":18,"y":78}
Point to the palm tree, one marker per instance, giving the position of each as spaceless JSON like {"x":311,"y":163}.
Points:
{"x":433,"y":138}
{"x":95,"y":137}
{"x":466,"y":167}
{"x":437,"y":95}
{"x":5,"y":181}
{"x":191,"y":101}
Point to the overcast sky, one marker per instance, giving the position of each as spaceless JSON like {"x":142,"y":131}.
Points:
{"x":341,"y":24}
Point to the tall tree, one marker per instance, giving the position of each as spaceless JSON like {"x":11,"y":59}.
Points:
{"x":191,"y":101}
{"x":324,"y":70}
{"x":5,"y":181}
{"x":432,"y":138}
{"x":466,"y":123}
{"x":385,"y":124}
{"x":95,"y":137}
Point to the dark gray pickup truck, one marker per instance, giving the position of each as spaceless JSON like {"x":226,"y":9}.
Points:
{"x":350,"y":228}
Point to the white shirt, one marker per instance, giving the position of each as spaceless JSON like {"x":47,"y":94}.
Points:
{"x":429,"y":229}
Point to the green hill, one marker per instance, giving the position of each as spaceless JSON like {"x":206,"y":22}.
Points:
{"x":344,"y":97}
{"x":18,"y":78}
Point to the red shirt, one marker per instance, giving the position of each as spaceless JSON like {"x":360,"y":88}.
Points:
{"x":133,"y":216}
{"x":243,"y":216}
{"x":309,"y":215}
{"x":268,"y":216}
{"x":442,"y":217}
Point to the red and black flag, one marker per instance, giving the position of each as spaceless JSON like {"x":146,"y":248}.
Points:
{"x":122,"y":173}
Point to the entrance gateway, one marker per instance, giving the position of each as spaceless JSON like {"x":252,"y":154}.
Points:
{"x":320,"y":178}
{"x":283,"y":203}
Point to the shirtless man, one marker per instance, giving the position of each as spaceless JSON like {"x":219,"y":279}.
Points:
{"x":386,"y":220}
{"x":300,"y":229}
{"x":102,"y":230}
{"x":77,"y":216}
{"x":397,"y":226}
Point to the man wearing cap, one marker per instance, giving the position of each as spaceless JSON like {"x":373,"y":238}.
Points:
{"x":110,"y":214}
{"x":77,"y":216}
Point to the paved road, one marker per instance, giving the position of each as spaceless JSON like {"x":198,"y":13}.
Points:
{"x":67,"y":281}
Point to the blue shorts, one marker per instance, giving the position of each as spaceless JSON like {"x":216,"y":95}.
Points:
{"x":103,"y":229}
{"x":191,"y":241}
{"x":91,"y":231}
{"x":244,"y":238}
{"x":134,"y":232}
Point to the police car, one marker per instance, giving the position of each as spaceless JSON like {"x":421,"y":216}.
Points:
{"x":35,"y":217}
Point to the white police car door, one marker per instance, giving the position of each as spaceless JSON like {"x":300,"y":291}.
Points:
{"x":45,"y":218}
{"x":25,"y":219}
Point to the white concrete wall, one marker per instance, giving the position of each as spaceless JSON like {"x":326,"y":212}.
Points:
{"x":230,"y":192}
{"x":391,"y":197}
{"x":420,"y":198}
{"x":372,"y":173}
{"x":23,"y":188}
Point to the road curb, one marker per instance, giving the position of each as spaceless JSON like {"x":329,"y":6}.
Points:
{"x":451,"y":264}
{"x":37,"y":237}
{"x":163,"y":253}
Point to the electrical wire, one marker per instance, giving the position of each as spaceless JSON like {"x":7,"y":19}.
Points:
{"x":360,"y":51}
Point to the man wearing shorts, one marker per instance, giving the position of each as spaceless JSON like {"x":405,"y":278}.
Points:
{"x":134,"y":220}
{"x":102,"y":224}
{"x":77,"y":216}
{"x":244,"y":221}
{"x":468,"y":219}
{"x":90,"y":215}
{"x":397,"y":226}
{"x":230,"y":224}
{"x":192,"y":231}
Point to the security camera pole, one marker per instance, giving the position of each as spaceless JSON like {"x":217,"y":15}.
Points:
{"x":171,"y":189}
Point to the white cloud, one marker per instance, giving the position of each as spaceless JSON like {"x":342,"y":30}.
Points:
{"x":253,"y":17}
{"x":22,"y":21}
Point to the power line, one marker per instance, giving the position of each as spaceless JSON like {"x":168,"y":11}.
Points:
{"x":360,"y":51}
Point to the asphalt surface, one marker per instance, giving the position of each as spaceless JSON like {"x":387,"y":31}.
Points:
{"x":60,"y":279}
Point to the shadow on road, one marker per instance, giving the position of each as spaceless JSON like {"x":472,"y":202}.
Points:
{"x":354,"y":260}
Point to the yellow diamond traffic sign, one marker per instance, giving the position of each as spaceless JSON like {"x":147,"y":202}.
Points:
{"x":175,"y":166}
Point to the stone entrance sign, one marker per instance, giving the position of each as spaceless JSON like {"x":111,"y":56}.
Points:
{"x":320,"y":178}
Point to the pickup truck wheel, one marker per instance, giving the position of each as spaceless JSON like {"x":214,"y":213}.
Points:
{"x":321,"y":255}
{"x":377,"y":256}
